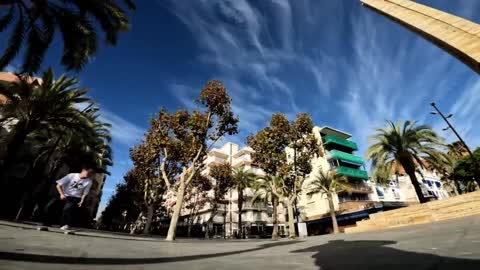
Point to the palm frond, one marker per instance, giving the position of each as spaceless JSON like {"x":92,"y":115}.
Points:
{"x":7,"y":19}
{"x":14,"y":43}
{"x":37,"y":44}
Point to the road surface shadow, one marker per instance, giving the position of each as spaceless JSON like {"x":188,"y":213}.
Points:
{"x":363,"y":255}
{"x":37,"y":258}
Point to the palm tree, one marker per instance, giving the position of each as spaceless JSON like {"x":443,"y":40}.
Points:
{"x":41,"y":105}
{"x":243,"y":179}
{"x":407,"y":145}
{"x":329,"y":183}
{"x":35,"y":22}
{"x":264,"y":192}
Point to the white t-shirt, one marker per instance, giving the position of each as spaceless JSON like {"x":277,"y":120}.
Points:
{"x":74,"y":186}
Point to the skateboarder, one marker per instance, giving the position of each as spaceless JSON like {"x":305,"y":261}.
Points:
{"x":72,"y":190}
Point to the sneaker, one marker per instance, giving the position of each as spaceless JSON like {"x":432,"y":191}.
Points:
{"x":65,"y":227}
{"x":42,"y":228}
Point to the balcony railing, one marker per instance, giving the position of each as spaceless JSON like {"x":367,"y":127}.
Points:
{"x":330,"y":139}
{"x":350,"y":172}
{"x":339,"y":155}
{"x":351,"y":206}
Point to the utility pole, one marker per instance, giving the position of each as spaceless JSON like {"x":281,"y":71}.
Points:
{"x":475,"y":162}
{"x":437,"y":111}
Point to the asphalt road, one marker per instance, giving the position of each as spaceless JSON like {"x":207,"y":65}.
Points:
{"x":447,"y":245}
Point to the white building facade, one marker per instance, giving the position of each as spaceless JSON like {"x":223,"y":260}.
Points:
{"x":257,"y":218}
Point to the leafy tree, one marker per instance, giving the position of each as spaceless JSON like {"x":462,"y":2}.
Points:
{"x":467,"y":170}
{"x":41,"y":105}
{"x":271,"y":145}
{"x":329,"y":183}
{"x":147,"y":177}
{"x":47,"y":131}
{"x":457,"y":150}
{"x":406,"y":144}
{"x":242,"y":179}
{"x":195,"y":197}
{"x":181,"y":139}
{"x":123,"y":207}
{"x":35,"y":23}
{"x":222,"y":182}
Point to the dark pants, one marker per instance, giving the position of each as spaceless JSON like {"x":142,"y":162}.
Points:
{"x":69,"y":208}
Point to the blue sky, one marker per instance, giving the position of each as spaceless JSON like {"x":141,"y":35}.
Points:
{"x":347,"y":66}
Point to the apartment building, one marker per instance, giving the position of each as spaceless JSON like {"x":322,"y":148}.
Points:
{"x":337,"y":151}
{"x":366,"y":197}
{"x":257,"y":218}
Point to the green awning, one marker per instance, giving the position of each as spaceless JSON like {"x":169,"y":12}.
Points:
{"x":346,"y":171}
{"x":335,"y":154}
{"x":330,"y":139}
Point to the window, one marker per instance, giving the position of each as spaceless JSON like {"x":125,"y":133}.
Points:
{"x":379,"y":192}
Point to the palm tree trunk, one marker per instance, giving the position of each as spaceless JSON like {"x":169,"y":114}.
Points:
{"x":240,"y":207}
{"x":172,"y":229}
{"x":275,"y":219}
{"x":148,"y":224}
{"x":409,"y":166}
{"x":291,"y":224}
{"x":332,"y":213}
{"x":457,"y":187}
{"x":12,"y":151}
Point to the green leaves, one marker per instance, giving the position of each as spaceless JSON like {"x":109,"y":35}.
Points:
{"x":78,"y":21}
{"x":406,"y":144}
{"x":328,"y":182}
{"x":14,"y":43}
{"x":48,"y":109}
{"x":6,"y":20}
{"x":37,"y":44}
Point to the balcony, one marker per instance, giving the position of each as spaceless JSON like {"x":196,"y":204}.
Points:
{"x":334,"y":140}
{"x":214,"y":160}
{"x":241,"y":161}
{"x":352,"y":206}
{"x":360,"y":188}
{"x":339,"y":155}
{"x":350,"y":172}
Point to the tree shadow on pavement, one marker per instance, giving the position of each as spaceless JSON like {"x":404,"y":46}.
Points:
{"x":363,"y":255}
{"x":37,"y":258}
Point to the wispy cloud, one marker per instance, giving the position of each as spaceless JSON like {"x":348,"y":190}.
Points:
{"x":398,"y":80}
{"x":122,"y":131}
{"x":346,"y":65}
{"x":252,"y":48}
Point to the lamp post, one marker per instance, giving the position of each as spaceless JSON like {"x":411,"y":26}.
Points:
{"x":437,"y":111}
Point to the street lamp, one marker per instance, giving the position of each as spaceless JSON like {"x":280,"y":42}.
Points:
{"x":437,"y":111}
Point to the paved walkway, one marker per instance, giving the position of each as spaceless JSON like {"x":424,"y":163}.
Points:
{"x":447,"y":245}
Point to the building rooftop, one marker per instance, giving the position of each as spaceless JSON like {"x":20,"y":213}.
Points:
{"x":335,"y":132}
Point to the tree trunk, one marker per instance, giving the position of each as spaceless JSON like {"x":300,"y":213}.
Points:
{"x":148,"y":224}
{"x":13,"y":147}
{"x":291,"y":223}
{"x":409,"y":166}
{"x":189,"y":229}
{"x":225,"y":221}
{"x":275,"y":219}
{"x":457,"y":187}
{"x":172,"y":229}
{"x":134,"y":227}
{"x":332,"y":213}
{"x":240,"y":207}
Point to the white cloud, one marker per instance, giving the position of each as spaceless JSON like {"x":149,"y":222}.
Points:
{"x":122,"y":131}
{"x":353,"y":70}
